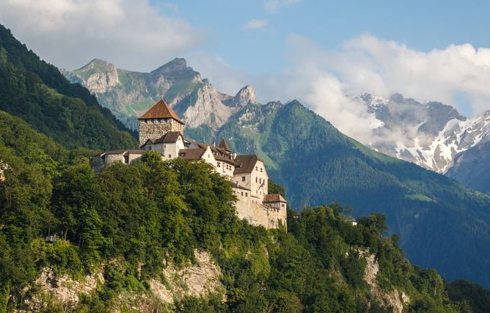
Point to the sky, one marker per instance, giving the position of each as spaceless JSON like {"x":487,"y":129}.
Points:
{"x":319,"y":52}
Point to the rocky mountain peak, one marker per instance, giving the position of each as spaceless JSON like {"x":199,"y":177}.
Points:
{"x":245,"y":96}
{"x":98,"y":64}
{"x":176,"y":65}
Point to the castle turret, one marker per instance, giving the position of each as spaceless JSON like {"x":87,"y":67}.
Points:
{"x":157,"y":121}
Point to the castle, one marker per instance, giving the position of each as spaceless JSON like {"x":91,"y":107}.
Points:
{"x":161,"y":129}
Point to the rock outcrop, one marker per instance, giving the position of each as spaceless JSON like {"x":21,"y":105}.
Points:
{"x":197,"y":280}
{"x":394,"y":299}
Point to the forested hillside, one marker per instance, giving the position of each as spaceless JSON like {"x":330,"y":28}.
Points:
{"x":441,"y":223}
{"x":129,"y":223}
{"x":472,"y":166}
{"x":38,"y":93}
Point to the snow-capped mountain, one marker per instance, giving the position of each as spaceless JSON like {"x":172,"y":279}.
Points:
{"x":428,"y":134}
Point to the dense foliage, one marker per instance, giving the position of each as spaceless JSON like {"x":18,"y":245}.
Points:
{"x":133,"y":220}
{"x":38,"y":93}
{"x":317,"y":164}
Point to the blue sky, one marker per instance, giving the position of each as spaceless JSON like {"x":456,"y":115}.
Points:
{"x":422,"y":25}
{"x":323,"y":53}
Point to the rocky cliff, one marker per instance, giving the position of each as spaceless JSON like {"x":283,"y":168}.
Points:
{"x":129,"y":94}
{"x":175,"y":283}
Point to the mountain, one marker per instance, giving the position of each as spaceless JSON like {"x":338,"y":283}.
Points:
{"x":159,"y":236}
{"x":39,"y":94}
{"x":472,"y":167}
{"x":428,"y":134}
{"x":441,"y":223}
{"x":129,"y":94}
{"x":317,"y":164}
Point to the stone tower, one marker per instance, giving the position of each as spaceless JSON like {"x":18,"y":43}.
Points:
{"x":157,"y":121}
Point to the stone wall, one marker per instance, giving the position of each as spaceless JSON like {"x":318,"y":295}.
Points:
{"x":277,"y":216}
{"x":100,"y":161}
{"x":156,"y":128}
{"x":250,"y":208}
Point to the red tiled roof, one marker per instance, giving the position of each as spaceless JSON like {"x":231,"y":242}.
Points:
{"x":160,"y":110}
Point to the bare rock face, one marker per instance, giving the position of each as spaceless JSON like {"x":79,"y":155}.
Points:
{"x":198,"y":280}
{"x":100,"y":76}
{"x":245,"y":96}
{"x":129,"y":94}
{"x":394,"y":299}
{"x":63,"y":288}
{"x":206,"y":107}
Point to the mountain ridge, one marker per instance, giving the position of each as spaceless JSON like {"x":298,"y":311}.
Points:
{"x":429,"y":134}
{"x":128,"y":94}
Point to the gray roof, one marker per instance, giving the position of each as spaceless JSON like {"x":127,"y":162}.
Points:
{"x":112,"y":152}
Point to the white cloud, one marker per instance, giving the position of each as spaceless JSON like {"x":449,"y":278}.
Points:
{"x":224,"y":77}
{"x":131,"y":33}
{"x":275,"y":5}
{"x":326,"y":80}
{"x":255,"y":24}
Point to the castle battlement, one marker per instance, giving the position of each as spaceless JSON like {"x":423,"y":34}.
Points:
{"x":161,"y":129}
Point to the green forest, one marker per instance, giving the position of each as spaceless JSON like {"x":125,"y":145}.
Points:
{"x":39,"y":94}
{"x":156,"y":213}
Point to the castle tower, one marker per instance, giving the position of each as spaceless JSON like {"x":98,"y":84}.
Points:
{"x":157,"y":121}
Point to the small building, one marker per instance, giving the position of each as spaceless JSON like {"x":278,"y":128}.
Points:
{"x":251,"y":173}
{"x":168,"y":144}
{"x":99,"y":161}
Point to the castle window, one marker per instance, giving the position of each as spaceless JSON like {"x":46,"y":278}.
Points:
{"x":149,"y":147}
{"x":261,"y":170}
{"x":242,"y":193}
{"x":256,"y":168}
{"x":256,"y":179}
{"x":169,"y":156}
{"x":243,"y":178}
{"x":246,"y":194}
{"x":218,"y":164}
